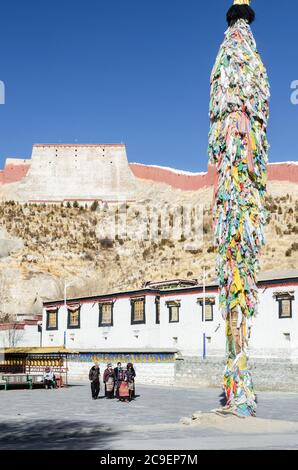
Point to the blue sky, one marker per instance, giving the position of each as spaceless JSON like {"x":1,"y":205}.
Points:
{"x":133,"y":71}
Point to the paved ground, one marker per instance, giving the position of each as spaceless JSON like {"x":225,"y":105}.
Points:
{"x":69,"y":419}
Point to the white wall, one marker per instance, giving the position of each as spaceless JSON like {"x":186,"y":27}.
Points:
{"x":91,"y":336}
{"x":78,"y":172}
{"x":28,"y":337}
{"x":152,"y":373}
{"x":190,"y":329}
{"x":267,"y":339}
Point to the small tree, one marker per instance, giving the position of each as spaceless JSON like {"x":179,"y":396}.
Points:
{"x":106,"y":243}
{"x":94,"y":206}
{"x":14,"y":336}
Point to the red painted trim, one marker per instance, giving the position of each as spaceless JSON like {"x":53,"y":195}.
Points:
{"x":55,"y":201}
{"x":170,"y":281}
{"x":31,"y":322}
{"x":78,"y":145}
{"x":121,"y":201}
{"x":13,"y":173}
{"x":263,"y":284}
{"x":278,"y":172}
{"x":152,"y":293}
{"x":12,"y":326}
{"x":283,"y":172}
{"x":188,"y":182}
{"x":97,"y":299}
{"x":174,"y":179}
{"x":82,"y":200}
{"x":161,"y":294}
{"x":195,"y":292}
{"x":21,"y":324}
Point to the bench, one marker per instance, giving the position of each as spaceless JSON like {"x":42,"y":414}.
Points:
{"x":16,"y":379}
{"x":38,"y":379}
{"x":60,"y":374}
{"x":2,"y":383}
{"x":8,"y":380}
{"x":35,"y":379}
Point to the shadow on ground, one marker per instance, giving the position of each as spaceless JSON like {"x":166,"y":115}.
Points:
{"x":52,"y":434}
{"x":222,"y":399}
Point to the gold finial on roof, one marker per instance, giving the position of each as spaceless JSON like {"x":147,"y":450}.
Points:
{"x":241,"y":2}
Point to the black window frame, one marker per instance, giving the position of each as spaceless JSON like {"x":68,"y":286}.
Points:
{"x":69,"y":326}
{"x":210,"y":302}
{"x":280,"y":300}
{"x":132,"y":304}
{"x":157,"y":310}
{"x":170,"y":305}
{"x":100,"y":323}
{"x":48,"y":328}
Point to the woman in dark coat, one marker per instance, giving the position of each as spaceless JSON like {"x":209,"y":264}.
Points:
{"x":130,"y":377}
{"x":109,"y":381}
{"x":118,"y":373}
{"x":94,"y":376}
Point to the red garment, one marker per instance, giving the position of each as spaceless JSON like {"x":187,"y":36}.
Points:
{"x":108,"y":373}
{"x":123,"y":390}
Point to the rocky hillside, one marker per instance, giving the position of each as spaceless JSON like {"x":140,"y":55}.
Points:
{"x":42,"y":246}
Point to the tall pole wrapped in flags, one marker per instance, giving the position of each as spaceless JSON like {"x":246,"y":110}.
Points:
{"x":238,"y":146}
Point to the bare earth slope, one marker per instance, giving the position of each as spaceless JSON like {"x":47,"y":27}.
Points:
{"x":43,"y":245}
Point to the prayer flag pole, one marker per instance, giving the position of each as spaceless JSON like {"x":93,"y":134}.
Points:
{"x":239,"y":111}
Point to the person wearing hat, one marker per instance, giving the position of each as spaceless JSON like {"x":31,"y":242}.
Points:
{"x":94,"y":375}
{"x":109,"y":381}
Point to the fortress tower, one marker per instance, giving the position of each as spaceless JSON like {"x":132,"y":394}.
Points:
{"x":59,"y":172}
{"x":78,"y":172}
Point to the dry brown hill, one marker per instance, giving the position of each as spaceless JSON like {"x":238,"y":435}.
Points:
{"x":43,"y":245}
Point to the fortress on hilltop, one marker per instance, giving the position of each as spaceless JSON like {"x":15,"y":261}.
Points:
{"x":59,"y":172}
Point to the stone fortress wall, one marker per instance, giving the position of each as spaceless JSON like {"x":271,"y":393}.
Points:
{"x":57,"y":172}
{"x":61,"y":171}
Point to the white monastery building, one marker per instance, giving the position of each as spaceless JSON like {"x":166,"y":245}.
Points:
{"x":171,"y":315}
{"x":172,"y":331}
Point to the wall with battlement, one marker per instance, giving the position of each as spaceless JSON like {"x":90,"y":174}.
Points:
{"x":103,"y":171}
{"x":59,"y":172}
{"x":175,"y":178}
{"x":195,"y":181}
{"x":14,"y":170}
